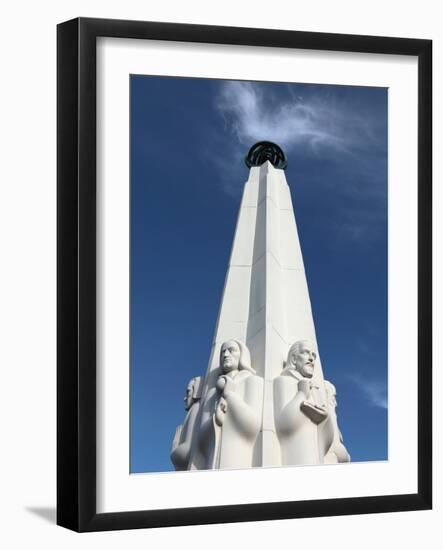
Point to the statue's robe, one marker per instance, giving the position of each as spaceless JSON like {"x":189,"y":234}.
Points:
{"x":303,"y":424}
{"x":227,"y":440}
{"x":181,"y":446}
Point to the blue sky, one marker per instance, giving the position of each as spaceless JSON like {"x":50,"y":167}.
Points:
{"x":188,"y":141}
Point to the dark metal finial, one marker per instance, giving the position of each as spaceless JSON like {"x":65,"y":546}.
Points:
{"x":263,"y":151}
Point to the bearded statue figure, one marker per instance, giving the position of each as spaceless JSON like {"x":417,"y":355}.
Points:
{"x":231,"y":412}
{"x":306,"y":423}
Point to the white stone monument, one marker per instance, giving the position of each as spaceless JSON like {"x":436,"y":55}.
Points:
{"x":263,"y":401}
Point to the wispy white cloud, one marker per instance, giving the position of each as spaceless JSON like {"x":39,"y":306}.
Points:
{"x":375,"y":391}
{"x":319,"y":124}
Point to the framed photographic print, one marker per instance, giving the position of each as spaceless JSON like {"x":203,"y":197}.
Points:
{"x":244,"y":274}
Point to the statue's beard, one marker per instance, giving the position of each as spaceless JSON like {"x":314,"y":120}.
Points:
{"x":307,"y":371}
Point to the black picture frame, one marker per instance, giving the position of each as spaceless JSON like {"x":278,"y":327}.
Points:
{"x":76,"y":280}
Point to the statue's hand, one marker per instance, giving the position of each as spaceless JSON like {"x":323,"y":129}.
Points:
{"x":229,"y":386}
{"x":225,"y":385}
{"x":221,"y":383}
{"x":220,"y":411}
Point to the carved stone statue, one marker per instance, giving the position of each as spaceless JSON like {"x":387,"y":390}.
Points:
{"x":181,"y":446}
{"x":301,"y":414}
{"x":231,"y":413}
{"x":337,"y":452}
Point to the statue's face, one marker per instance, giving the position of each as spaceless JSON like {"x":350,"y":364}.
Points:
{"x":188,"y":396}
{"x":230,"y":356}
{"x":303,"y":359}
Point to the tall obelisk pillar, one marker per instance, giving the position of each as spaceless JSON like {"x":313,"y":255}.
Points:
{"x":265,"y":300}
{"x":279,"y":306}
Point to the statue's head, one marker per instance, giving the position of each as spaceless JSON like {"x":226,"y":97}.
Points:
{"x":331,"y":392}
{"x":302,"y":356}
{"x":193,"y":392}
{"x":234,"y":355}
